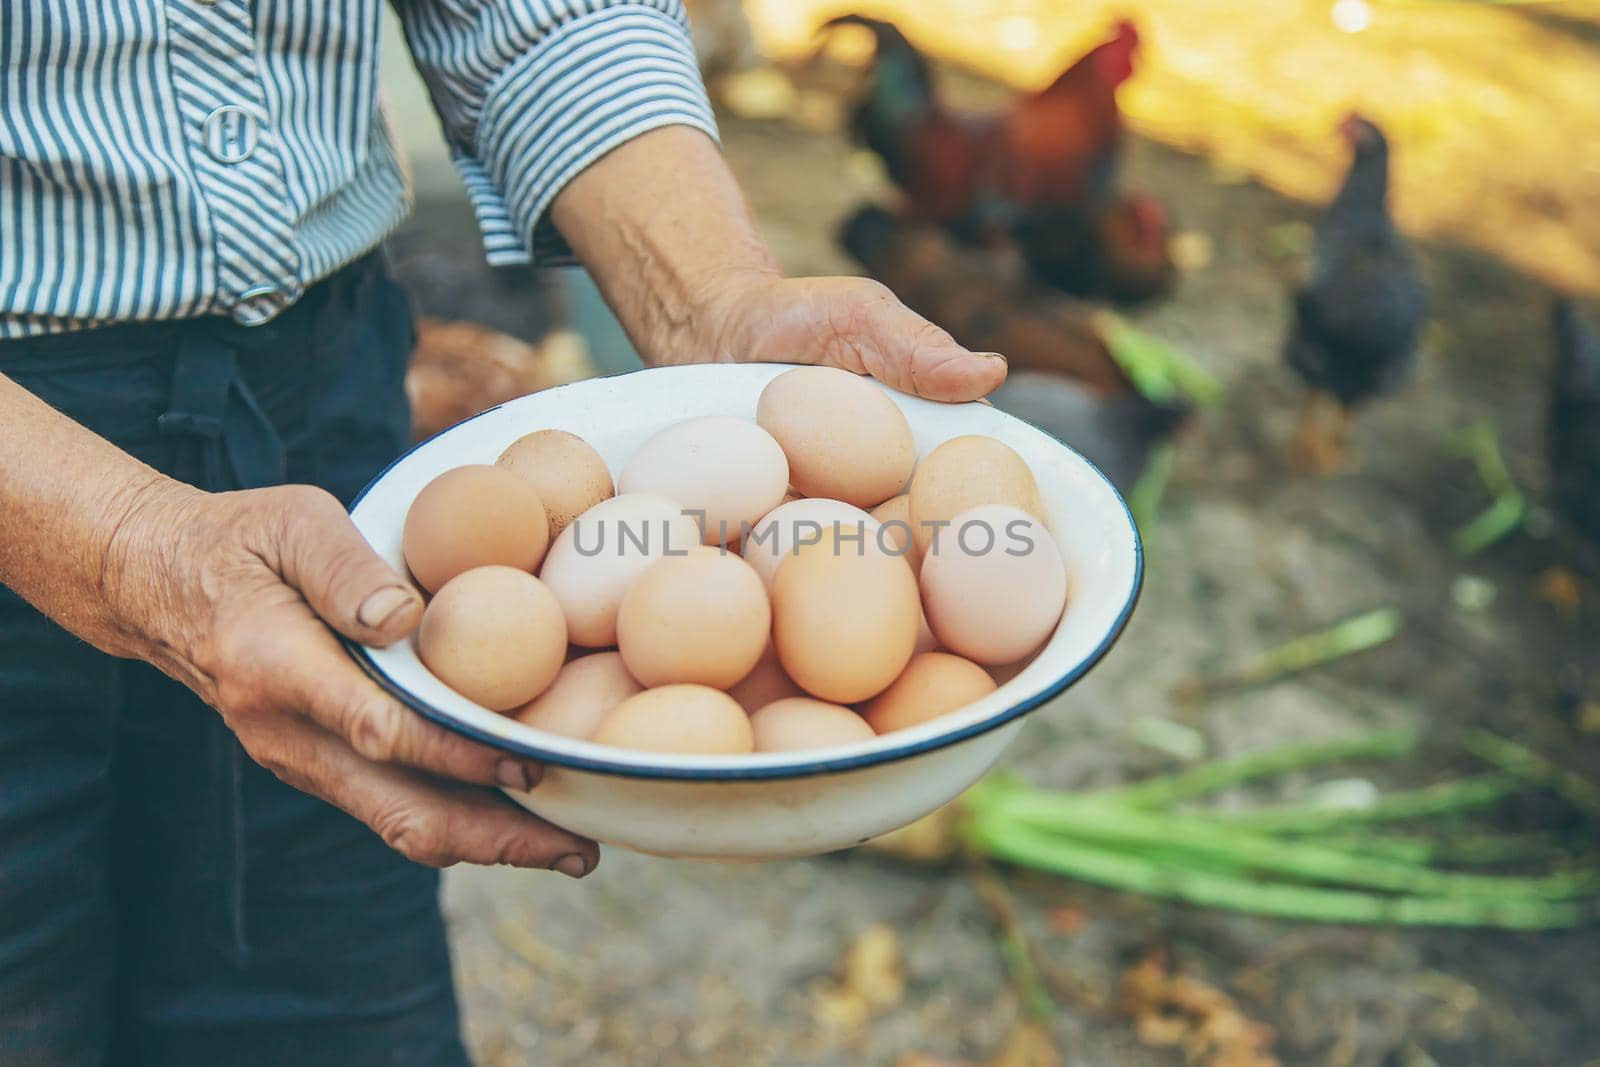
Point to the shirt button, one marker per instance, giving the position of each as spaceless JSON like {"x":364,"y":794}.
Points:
{"x":231,"y":133}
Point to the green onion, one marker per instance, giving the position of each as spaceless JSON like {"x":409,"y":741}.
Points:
{"x":1312,"y":650}
{"x":1508,"y":509}
{"x":1028,"y":847}
{"x":1158,"y":370}
{"x":1166,"y":790}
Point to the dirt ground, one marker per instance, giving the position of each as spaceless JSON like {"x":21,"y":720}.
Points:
{"x":652,"y":962}
{"x":657,"y":962}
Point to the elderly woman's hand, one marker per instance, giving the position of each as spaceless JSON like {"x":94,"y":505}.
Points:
{"x":239,"y":595}
{"x":662,"y":225}
{"x":853,"y":323}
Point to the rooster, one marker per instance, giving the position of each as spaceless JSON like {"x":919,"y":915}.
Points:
{"x":1574,"y":421}
{"x":1039,"y":176}
{"x":1357,"y":319}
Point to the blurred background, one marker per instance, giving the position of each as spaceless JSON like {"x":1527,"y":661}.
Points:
{"x":1351,"y":742}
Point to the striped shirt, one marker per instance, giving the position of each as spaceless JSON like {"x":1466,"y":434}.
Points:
{"x":165,"y":159}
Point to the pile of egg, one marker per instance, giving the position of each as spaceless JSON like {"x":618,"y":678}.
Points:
{"x":796,"y":582}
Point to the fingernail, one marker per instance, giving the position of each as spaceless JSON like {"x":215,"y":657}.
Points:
{"x":992,"y":356}
{"x":380,"y":607}
{"x":572,"y":865}
{"x":514,"y":774}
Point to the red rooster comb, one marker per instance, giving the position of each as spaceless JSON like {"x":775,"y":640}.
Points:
{"x":1113,"y":57}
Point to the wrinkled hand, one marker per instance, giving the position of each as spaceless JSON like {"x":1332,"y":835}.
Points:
{"x":238,"y":596}
{"x":853,"y":323}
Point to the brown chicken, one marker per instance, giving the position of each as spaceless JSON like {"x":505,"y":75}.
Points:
{"x":1064,"y":377}
{"x":1120,"y":253}
{"x":979,"y":174}
{"x":1039,"y":176}
{"x":960,"y":290}
{"x":462,"y":368}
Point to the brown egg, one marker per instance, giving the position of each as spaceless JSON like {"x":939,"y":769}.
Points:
{"x":933,"y":684}
{"x":470,"y":517}
{"x":894,"y":519}
{"x":726,"y":472}
{"x":495,"y":635}
{"x":765,"y":683}
{"x":845,"y":438}
{"x":583,"y":693}
{"x":773,"y":539}
{"x":801,"y":723}
{"x":844,"y":618}
{"x":701,"y":617}
{"x":995,"y":585}
{"x":689,"y":719}
{"x":963,"y":473}
{"x":569,"y":475}
{"x":604,"y":550}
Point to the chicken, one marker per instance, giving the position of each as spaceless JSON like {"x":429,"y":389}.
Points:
{"x":1120,"y":253}
{"x":959,"y":290}
{"x":1060,"y":145}
{"x":986,"y":177}
{"x":462,"y":368}
{"x":1574,"y":421}
{"x":1357,"y":319}
{"x":1064,"y":379}
{"x":935,"y":156}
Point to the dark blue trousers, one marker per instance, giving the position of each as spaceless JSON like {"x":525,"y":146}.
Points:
{"x":163,"y":900}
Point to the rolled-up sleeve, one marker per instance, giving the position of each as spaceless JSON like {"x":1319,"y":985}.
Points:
{"x":532,"y":91}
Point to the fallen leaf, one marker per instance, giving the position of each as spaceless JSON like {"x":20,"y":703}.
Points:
{"x":1067,"y":919}
{"x":1182,"y":1011}
{"x":836,"y":1007}
{"x":870,"y":980}
{"x":871,"y":967}
{"x":1560,"y":588}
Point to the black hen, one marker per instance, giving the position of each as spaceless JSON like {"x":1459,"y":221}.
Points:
{"x":1574,"y":426}
{"x":1357,"y":319}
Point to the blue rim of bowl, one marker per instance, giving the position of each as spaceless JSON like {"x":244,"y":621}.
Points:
{"x":806,"y":769}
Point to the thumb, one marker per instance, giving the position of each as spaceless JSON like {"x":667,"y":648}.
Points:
{"x":901,"y":348}
{"x":326,"y":559}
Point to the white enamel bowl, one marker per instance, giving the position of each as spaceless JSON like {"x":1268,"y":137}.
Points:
{"x":767,"y":805}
